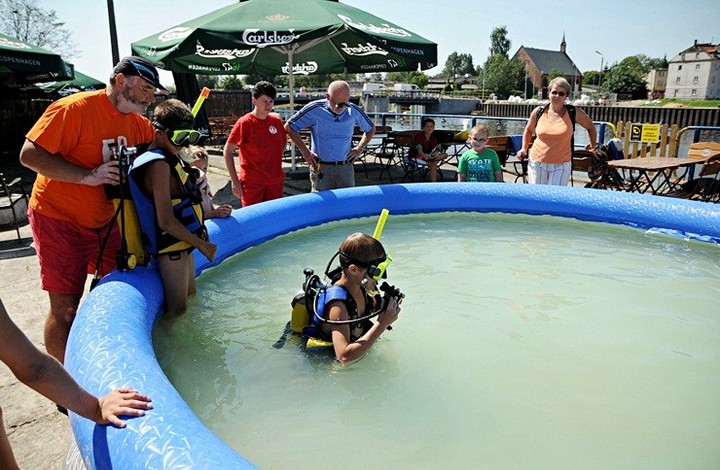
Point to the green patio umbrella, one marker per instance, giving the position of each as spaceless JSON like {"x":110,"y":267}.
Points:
{"x":23,"y":63}
{"x":275,"y":37}
{"x":81,"y":82}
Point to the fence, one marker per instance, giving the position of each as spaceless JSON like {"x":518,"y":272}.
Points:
{"x":682,"y":117}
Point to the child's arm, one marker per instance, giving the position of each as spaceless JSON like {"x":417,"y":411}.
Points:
{"x":223,"y":210}
{"x":499,"y":177}
{"x":47,"y":376}
{"x":461,"y":177}
{"x":157,"y":181}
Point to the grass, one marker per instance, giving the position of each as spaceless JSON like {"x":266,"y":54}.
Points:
{"x":692,"y":103}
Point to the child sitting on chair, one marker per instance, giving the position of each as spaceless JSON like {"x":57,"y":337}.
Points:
{"x":199,"y":160}
{"x":479,"y":164}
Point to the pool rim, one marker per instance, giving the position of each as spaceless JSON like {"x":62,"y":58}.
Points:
{"x":110,"y":344}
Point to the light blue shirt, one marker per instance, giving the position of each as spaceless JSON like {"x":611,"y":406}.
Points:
{"x":331,"y":133}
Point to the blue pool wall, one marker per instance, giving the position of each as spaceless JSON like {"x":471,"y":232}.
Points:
{"x":110,"y":344}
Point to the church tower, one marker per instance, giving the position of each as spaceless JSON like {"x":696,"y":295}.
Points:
{"x":563,"y":44}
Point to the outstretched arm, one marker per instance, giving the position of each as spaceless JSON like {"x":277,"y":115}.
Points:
{"x":47,"y":376}
{"x":527,"y":135}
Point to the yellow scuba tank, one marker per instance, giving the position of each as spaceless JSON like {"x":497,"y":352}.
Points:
{"x":136,"y":253}
{"x":300,"y":317}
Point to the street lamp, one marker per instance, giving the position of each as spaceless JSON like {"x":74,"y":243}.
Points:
{"x":602,"y":59}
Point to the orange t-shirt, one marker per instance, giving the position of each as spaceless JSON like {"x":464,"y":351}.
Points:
{"x":79,"y":128}
{"x":552,"y":144}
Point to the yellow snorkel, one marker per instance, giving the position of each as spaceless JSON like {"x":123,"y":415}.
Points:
{"x":201,"y":99}
{"x":380,"y":224}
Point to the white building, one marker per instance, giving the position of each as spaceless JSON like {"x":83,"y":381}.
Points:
{"x":656,"y":83}
{"x":695,"y":73}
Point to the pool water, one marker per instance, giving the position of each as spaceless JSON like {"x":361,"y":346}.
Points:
{"x":524,"y":341}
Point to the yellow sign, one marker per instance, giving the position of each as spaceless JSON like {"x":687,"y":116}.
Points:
{"x":650,"y":133}
{"x":645,"y":133}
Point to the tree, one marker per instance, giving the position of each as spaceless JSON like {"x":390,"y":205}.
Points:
{"x":503,"y":76}
{"x":24,"y":20}
{"x":210,"y":81}
{"x":232,"y":82}
{"x":418,"y":78}
{"x":458,"y":64}
{"x":499,"y":43}
{"x":626,"y":78}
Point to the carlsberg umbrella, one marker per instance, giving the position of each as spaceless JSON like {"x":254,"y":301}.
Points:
{"x":24,"y":63}
{"x":273,"y":37}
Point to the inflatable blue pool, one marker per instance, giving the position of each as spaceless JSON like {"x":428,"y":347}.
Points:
{"x":111,"y":341}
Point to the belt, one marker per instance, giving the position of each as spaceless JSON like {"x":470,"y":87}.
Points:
{"x":343,"y":162}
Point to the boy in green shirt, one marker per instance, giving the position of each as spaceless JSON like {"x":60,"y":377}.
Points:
{"x":479,"y":164}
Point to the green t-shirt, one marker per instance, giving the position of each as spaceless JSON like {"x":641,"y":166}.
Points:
{"x":479,"y":167}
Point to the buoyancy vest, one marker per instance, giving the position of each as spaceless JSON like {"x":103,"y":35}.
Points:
{"x":187,"y":208}
{"x":337,"y":293}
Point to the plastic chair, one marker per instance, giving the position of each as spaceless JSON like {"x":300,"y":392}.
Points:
{"x":388,"y":156}
{"x":9,"y":199}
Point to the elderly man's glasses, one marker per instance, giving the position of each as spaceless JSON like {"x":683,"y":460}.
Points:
{"x":558,"y":93}
{"x":340,"y":105}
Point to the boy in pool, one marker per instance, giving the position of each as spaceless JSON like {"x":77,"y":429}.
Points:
{"x":479,"y":163}
{"x":363,"y":262}
{"x":169,"y":203}
{"x":47,"y":376}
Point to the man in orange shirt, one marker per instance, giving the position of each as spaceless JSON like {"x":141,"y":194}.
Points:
{"x":70,"y":149}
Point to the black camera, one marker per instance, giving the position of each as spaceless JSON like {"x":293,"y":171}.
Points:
{"x":391,"y":292}
{"x":125,"y":155}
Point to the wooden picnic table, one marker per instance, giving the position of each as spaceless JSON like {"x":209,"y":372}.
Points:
{"x":655,"y":174}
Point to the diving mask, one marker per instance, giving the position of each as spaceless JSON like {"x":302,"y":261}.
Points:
{"x":375,"y":269}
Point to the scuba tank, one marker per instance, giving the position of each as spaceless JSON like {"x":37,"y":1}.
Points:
{"x":132,"y":252}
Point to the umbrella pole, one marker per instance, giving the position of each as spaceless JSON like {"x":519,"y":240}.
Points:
{"x":291,"y":85}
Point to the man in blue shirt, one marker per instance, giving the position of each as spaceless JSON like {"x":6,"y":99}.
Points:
{"x":331,"y":122}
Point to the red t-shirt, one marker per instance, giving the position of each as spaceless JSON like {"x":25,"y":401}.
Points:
{"x":261,"y":143}
{"x":79,"y":128}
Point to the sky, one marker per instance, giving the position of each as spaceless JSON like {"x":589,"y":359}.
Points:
{"x":614,"y":28}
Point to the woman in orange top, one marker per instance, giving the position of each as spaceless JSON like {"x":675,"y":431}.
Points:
{"x":551,"y":152}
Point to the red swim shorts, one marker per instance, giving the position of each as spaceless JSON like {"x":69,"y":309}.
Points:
{"x":68,"y":253}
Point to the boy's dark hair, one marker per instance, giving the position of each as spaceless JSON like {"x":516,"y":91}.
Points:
{"x":362,"y":247}
{"x":173,"y":114}
{"x":425,"y":121}
{"x":264,"y":88}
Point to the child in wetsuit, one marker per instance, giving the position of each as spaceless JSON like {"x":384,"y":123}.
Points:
{"x":168,"y":203}
{"x":359,"y":255}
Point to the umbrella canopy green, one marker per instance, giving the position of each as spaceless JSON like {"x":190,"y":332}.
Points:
{"x":24,"y":63}
{"x":81,"y":82}
{"x":274,"y":37}
{"x":287,"y":37}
